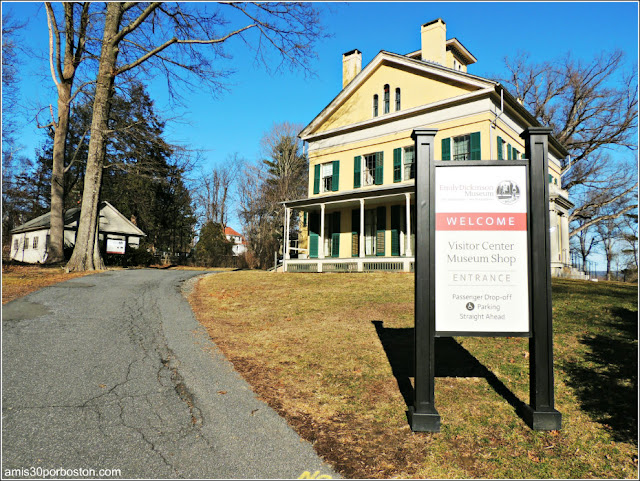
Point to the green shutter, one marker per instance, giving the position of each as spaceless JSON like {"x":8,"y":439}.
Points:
{"x":314,"y":221}
{"x":474,"y":140}
{"x":335,"y":234}
{"x":357,"y":170}
{"x":335,"y":181}
{"x":379,"y":168}
{"x":550,"y":178}
{"x":499,"y":148}
{"x":397,"y":165}
{"x":304,"y":219}
{"x":396,"y":214}
{"x":316,"y":179}
{"x":446,"y":149}
{"x":509,"y":154}
{"x":515,"y":154}
{"x":355,"y":228}
{"x":381,"y":225}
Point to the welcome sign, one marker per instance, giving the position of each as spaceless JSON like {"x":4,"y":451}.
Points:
{"x":481,"y":254}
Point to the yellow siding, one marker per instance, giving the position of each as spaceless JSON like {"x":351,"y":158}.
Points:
{"x":416,"y":89}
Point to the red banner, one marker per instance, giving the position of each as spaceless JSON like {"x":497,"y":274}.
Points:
{"x":481,"y":221}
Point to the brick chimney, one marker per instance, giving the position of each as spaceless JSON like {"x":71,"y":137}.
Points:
{"x":351,"y":66}
{"x":434,"y":40}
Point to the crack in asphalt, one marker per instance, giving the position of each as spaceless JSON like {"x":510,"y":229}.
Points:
{"x":121,"y":375}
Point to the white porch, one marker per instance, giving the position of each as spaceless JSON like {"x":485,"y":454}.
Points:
{"x":373,"y":231}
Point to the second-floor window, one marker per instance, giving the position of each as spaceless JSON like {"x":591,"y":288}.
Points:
{"x":386,"y":98}
{"x":327,"y":177}
{"x":397,"y":99}
{"x":372,"y":169}
{"x":35,"y":242}
{"x":375,"y":105}
{"x":409,"y":162}
{"x":461,"y":148}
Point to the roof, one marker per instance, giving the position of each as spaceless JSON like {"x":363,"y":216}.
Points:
{"x":484,"y":85}
{"x":111,"y":221}
{"x":230,"y":231}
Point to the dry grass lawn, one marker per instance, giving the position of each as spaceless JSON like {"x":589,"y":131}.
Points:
{"x":332,"y":353}
{"x":20,"y":280}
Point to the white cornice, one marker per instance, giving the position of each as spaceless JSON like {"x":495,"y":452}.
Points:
{"x":391,"y":117}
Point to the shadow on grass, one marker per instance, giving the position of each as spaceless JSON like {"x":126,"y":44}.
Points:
{"x":451,"y":360}
{"x":606,"y":379}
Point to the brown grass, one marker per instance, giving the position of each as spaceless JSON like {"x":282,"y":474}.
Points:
{"x":20,"y":280}
{"x":332,"y":354}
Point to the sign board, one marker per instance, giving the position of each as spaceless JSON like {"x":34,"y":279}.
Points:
{"x":115,"y":246}
{"x":482,"y":283}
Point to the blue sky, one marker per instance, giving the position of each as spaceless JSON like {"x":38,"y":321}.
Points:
{"x":236,"y":121}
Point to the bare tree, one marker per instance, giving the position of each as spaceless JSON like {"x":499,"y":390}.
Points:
{"x":168,"y":38}
{"x":67,"y":49}
{"x":214,"y":189}
{"x":281,"y":175}
{"x":591,"y":107}
{"x":586,"y":241}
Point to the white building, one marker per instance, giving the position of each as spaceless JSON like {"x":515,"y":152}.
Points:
{"x":239,"y":242}
{"x":30,"y":241}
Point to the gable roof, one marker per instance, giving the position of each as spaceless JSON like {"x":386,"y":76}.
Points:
{"x":484,"y":86}
{"x":230,"y":231}
{"x":111,"y":221}
{"x":385,"y":57}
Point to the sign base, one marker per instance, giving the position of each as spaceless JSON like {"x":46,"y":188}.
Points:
{"x":428,"y":422}
{"x":547,"y":420}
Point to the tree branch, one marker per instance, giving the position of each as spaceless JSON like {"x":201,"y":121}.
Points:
{"x":173,"y":40}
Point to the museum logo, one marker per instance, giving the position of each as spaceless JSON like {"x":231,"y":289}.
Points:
{"x":507,"y":192}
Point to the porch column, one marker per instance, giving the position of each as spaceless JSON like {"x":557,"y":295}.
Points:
{"x":361,"y":236}
{"x":287,"y":221}
{"x":321,"y":241}
{"x":407,"y":236}
{"x":564,"y":236}
{"x":556,"y":248}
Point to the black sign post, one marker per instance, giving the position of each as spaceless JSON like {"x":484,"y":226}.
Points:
{"x":540,"y":414}
{"x":423,"y":415}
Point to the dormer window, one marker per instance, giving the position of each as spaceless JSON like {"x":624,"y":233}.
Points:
{"x":397,"y":99}
{"x":386,"y":98}
{"x":375,"y":105}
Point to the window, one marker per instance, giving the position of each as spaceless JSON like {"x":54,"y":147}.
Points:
{"x":372,"y":169}
{"x":369,"y":172}
{"x":26,"y":243}
{"x":397,"y":99}
{"x":461,"y":148}
{"x":375,"y":105}
{"x":409,"y":162}
{"x":325,"y":177}
{"x":465,"y":147}
{"x":35,"y":242}
{"x":16,"y":243}
{"x":386,"y":98}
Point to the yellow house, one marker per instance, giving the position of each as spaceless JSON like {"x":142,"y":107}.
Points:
{"x":360,"y":213}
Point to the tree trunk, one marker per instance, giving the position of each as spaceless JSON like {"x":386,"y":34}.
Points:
{"x":56,"y":233}
{"x":86,"y":254}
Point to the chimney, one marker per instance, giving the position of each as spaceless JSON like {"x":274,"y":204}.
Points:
{"x":351,"y":66}
{"x":434,"y":40}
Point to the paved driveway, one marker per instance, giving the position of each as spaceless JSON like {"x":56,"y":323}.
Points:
{"x":112,"y":371}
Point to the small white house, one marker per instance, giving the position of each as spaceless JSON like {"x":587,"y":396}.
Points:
{"x":30,"y":241}
{"x":239,"y":242}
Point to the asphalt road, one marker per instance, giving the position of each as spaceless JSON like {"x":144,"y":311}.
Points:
{"x":112,"y":371}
